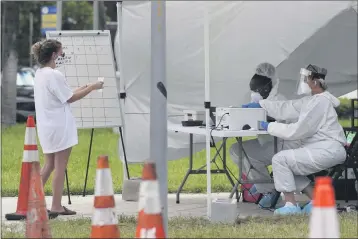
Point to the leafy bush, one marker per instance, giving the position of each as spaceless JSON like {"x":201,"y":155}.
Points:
{"x":344,"y":110}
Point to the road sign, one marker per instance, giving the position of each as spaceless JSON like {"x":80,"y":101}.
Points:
{"x":48,"y":19}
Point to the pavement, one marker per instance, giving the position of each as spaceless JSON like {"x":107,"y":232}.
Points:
{"x":191,"y":205}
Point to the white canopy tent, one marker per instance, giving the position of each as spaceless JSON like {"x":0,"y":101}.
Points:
{"x":290,"y":35}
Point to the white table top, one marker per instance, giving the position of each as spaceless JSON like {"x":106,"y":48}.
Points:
{"x":200,"y":130}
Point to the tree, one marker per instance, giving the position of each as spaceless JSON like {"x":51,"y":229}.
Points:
{"x":80,"y":11}
{"x":9,"y":28}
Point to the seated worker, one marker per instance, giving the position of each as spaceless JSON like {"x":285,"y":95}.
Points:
{"x":259,"y":152}
{"x":321,"y":138}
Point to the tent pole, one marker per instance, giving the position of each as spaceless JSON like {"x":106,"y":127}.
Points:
{"x":158,"y":103}
{"x":207,"y":107}
{"x":122,"y":93}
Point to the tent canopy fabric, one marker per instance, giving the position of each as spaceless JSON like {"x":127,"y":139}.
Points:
{"x":289,"y":35}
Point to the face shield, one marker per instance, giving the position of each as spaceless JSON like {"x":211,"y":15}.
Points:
{"x":302,"y":86}
{"x":311,"y":72}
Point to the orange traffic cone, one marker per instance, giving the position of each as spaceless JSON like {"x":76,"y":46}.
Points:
{"x":29,"y":156}
{"x":37,"y":221}
{"x":104,"y":219}
{"x":150,"y":220}
{"x":324,"y":220}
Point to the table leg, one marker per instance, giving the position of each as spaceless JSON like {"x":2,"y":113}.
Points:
{"x":239,"y":140}
{"x":225,"y":167}
{"x":190,"y":167}
{"x":214,"y":158}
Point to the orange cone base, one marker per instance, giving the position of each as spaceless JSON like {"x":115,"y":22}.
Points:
{"x":37,"y":222}
{"x":154,"y":232}
{"x":15,"y":216}
{"x":150,"y":226}
{"x":38,"y":230}
{"x":107,"y":231}
{"x":37,"y":225}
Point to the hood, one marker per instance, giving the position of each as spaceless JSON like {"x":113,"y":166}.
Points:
{"x":274,"y":91}
{"x":334,"y":100}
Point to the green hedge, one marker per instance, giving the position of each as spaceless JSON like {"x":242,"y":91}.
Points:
{"x":344,"y":110}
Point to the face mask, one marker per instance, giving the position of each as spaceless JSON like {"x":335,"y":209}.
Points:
{"x":255,"y":97}
{"x":57,"y":55}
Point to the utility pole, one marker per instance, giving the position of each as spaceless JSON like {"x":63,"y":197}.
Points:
{"x":95,"y":15}
{"x":59,"y":15}
{"x":31,"y":22}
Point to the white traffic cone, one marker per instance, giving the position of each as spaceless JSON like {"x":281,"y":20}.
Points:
{"x":104,"y":219}
{"x":324,"y":220}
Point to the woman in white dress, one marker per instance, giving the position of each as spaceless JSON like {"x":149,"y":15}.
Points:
{"x":56,"y":126}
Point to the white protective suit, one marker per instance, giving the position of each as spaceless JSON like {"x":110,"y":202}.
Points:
{"x":260,"y":152}
{"x":317,"y":139}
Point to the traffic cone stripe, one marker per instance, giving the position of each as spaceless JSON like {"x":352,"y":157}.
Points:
{"x":101,"y":189}
{"x":152,"y":221}
{"x":30,"y":122}
{"x":30,"y":136}
{"x":106,"y":231}
{"x":30,"y":156}
{"x":104,"y":216}
{"x":149,"y":172}
{"x":104,"y":202}
{"x":324,"y":195}
{"x":102,"y":162}
{"x":30,"y":147}
{"x":148,"y":197}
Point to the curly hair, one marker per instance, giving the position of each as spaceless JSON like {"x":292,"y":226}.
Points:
{"x":43,"y":50}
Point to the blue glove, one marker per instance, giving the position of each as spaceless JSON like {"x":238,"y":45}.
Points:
{"x":264,"y":125}
{"x":251,"y":105}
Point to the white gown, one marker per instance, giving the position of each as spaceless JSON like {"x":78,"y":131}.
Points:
{"x":56,"y":126}
{"x":320,"y":139}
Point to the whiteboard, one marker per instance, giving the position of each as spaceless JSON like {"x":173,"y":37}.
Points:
{"x":88,"y":56}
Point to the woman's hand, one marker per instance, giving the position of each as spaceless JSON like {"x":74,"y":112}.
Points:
{"x":96,"y":85}
{"x":80,"y":93}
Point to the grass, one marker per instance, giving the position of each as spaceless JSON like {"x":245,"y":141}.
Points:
{"x":274,"y":227}
{"x":104,"y":142}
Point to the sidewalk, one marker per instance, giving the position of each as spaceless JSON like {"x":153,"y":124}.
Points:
{"x":191,"y":205}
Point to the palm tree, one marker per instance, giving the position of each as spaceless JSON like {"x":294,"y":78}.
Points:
{"x":9,"y":29}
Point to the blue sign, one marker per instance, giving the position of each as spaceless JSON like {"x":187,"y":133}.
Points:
{"x":48,"y":19}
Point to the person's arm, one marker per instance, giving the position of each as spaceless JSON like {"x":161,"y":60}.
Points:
{"x":60,"y":88}
{"x":307,"y":125}
{"x":81,"y":93}
{"x":283,"y":110}
{"x":80,"y":88}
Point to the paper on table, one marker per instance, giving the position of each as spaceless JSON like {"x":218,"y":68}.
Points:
{"x":101,"y":79}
